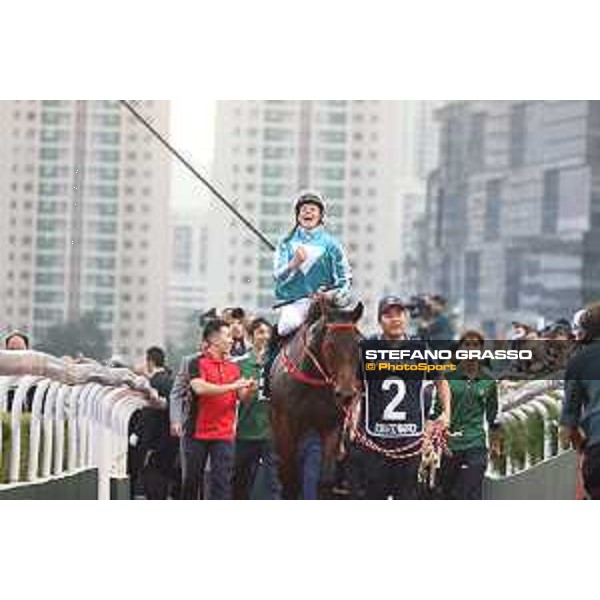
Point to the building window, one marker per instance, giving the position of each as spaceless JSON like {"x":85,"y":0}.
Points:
{"x":518,"y":134}
{"x":512,"y":278}
{"x":476,"y":142}
{"x":335,"y":137}
{"x":493,"y":210}
{"x":551,"y":201}
{"x":335,"y":118}
{"x":471,"y":288}
{"x":273,"y":190}
{"x":273,"y":171}
{"x":277,"y":135}
{"x":331,"y":173}
{"x":106,"y":137}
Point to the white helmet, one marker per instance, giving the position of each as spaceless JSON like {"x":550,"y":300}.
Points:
{"x":310,"y":197}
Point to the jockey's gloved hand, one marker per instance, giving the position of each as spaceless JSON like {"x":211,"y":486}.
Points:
{"x":320,"y":293}
{"x":342,"y":298}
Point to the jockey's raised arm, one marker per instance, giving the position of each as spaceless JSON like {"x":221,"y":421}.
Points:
{"x":283,"y":271}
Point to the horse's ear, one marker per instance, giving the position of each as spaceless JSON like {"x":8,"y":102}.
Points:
{"x":357,"y":312}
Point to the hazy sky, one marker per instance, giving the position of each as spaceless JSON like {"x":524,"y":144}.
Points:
{"x":192,"y":133}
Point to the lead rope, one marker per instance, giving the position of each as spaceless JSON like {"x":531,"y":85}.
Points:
{"x":357,"y":436}
{"x":431,"y":446}
{"x":435,"y":446}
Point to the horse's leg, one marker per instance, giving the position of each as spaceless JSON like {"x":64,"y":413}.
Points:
{"x":285,"y":446}
{"x":288,"y":474}
{"x":330,"y":442}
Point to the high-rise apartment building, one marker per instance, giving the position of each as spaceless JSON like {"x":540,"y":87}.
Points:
{"x":84,"y":194}
{"x":266,"y":151}
{"x":187,"y":278}
{"x":514,"y":209}
{"x":418,"y":143}
{"x":418,"y":138}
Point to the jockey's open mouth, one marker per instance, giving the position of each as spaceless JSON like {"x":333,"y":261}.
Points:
{"x":309,"y":222}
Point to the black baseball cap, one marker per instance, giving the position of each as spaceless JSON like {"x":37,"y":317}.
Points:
{"x":389,"y":301}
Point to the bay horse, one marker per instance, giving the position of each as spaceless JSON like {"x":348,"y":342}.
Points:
{"x":314,"y":387}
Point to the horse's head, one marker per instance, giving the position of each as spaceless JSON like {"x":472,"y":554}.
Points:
{"x":334,"y":340}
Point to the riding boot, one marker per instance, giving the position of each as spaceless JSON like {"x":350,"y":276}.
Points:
{"x":264,"y":388}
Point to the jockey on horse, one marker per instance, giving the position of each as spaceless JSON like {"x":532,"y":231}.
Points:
{"x":307,"y":261}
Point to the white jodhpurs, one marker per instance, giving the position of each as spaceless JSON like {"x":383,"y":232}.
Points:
{"x":291,"y":316}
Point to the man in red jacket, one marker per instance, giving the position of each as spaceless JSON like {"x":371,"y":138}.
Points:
{"x":216,"y":391}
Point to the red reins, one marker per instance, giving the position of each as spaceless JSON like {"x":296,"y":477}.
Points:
{"x":296,"y":372}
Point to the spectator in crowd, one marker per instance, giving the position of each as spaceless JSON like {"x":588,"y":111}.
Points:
{"x":432,"y":317}
{"x":235,"y":318}
{"x":182,"y":411}
{"x":474,"y":404}
{"x":439,"y":327}
{"x":523,"y":337}
{"x":116,"y":362}
{"x":580,"y":416}
{"x":216,"y":386}
{"x":16,"y":341}
{"x":158,"y":448}
{"x":519,"y":330}
{"x":559,"y":345}
{"x":560,"y":330}
{"x":182,"y":406}
{"x":254,"y":445}
{"x":159,"y":374}
{"x":149,"y":437}
{"x":209,"y":315}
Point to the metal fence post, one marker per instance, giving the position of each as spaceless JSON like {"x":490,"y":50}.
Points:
{"x":15,"y":425}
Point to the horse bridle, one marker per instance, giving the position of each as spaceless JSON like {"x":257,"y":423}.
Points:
{"x":297,"y":373}
{"x":327,"y":380}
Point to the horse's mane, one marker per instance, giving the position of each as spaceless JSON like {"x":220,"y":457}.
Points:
{"x":334,"y":312}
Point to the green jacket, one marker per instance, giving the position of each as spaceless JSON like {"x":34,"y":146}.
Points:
{"x":253,"y":416}
{"x":473,"y":403}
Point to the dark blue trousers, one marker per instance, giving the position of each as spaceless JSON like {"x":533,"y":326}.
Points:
{"x":250,"y":455}
{"x":462,"y":474}
{"x":309,"y":465}
{"x":194,"y":455}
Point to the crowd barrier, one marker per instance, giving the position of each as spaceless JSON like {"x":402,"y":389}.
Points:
{"x":60,"y":418}
{"x":533,"y":462}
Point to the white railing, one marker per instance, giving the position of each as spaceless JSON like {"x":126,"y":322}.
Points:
{"x":78,"y":416}
{"x":518,"y":403}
